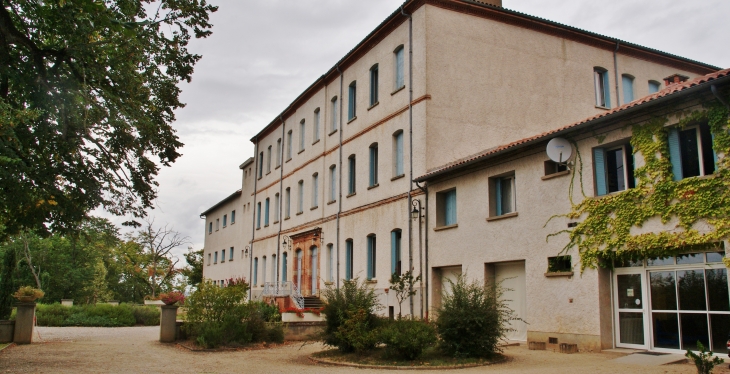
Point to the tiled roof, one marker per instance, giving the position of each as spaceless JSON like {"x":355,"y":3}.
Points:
{"x":218,"y":204}
{"x":671,"y":90}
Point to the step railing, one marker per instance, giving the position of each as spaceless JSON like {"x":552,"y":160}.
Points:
{"x":284,"y":289}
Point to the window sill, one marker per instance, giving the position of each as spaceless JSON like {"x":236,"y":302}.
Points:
{"x":258,"y":228}
{"x":555,"y":175}
{"x":503,"y":216}
{"x":374,"y":105}
{"x":300,"y":151}
{"x":298,"y":213}
{"x":441,"y":228}
{"x":233,"y":223}
{"x":373,"y":186}
{"x":351,"y":120}
{"x":315,"y":142}
{"x":352,"y":194}
{"x":223,"y":262}
{"x":398,"y":90}
{"x":259,"y":178}
{"x":371,"y":281}
{"x":289,"y":159}
{"x":266,"y":225}
{"x":329,"y":283}
{"x":207,"y":265}
{"x":331,"y":202}
{"x":551,"y":274}
{"x":314,"y":207}
{"x":275,"y":222}
{"x":602,"y":107}
{"x":216,"y":230}
{"x":286,"y":218}
{"x":332,"y":132}
{"x":230,"y":260}
{"x":215,"y":263}
{"x":224,"y":227}
{"x":268,"y":172}
{"x":277,"y":166}
{"x":397,"y":177}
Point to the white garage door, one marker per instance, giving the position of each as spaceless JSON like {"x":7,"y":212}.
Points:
{"x":512,"y":275}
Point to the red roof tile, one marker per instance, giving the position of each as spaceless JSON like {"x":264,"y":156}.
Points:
{"x":646,"y":99}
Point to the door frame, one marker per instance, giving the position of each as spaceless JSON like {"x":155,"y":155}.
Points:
{"x":645,"y":313}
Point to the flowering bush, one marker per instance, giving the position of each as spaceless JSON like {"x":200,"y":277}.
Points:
{"x":173,"y":297}
{"x":300,"y":312}
{"x":28,"y":292}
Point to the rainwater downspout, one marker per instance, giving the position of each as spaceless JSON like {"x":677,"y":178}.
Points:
{"x":281,"y":186}
{"x":615,"y":73}
{"x":425,"y":294}
{"x":410,"y":140}
{"x":339,"y":190}
{"x":253,"y":221}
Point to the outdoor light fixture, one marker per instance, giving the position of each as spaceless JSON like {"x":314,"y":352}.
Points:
{"x":245,"y":251}
{"x":416,"y":212}
{"x":286,"y":243}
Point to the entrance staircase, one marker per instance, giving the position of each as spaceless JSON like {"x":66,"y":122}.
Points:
{"x":313,"y":302}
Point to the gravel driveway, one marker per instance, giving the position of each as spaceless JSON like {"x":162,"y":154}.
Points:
{"x":136,"y":350}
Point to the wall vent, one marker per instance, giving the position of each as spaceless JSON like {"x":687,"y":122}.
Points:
{"x":553,"y":340}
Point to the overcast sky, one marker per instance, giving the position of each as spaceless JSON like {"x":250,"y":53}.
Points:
{"x":264,"y":53}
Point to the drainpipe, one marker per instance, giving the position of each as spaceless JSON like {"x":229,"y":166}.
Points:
{"x":410,"y":141}
{"x":281,"y":186}
{"x":424,"y":296}
{"x":615,"y":73}
{"x":253,"y":221}
{"x":339,"y":187}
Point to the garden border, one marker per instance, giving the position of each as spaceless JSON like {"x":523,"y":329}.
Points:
{"x":393,"y":367}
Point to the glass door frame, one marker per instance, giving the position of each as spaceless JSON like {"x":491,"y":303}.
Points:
{"x":644,"y":307}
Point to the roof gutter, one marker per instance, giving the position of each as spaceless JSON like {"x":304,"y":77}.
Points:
{"x":581,"y":126}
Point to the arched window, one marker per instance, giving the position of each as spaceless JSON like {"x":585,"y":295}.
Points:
{"x":374,"y":85}
{"x":288,"y":145}
{"x":627,"y":81}
{"x":255,"y":271}
{"x":348,"y":259}
{"x":315,"y":190}
{"x":654,"y":86}
{"x":302,"y":135}
{"x":278,"y":152}
{"x":602,"y":87}
{"x":277,"y":207}
{"x":373,"y":165}
{"x":399,"y":67}
{"x":351,"y":175}
{"x":300,"y":195}
{"x":266,"y":212}
{"x":263,"y":270}
{"x":398,"y":154}
{"x":268,"y":160}
{"x":284,"y":266}
{"x":395,"y":251}
{"x":372,"y":256}
{"x":287,"y":202}
{"x":333,"y":183}
{"x":352,"y":101}
{"x":315,"y":128}
{"x":335,"y":119}
{"x":330,"y":263}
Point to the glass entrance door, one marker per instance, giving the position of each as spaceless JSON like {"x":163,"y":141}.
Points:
{"x":631,"y":310}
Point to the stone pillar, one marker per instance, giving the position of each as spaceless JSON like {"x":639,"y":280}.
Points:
{"x":24,"y":319}
{"x":168,"y":325}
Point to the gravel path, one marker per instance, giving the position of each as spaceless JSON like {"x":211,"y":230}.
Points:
{"x":136,"y":350}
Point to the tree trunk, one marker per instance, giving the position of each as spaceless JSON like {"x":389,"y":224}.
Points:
{"x":30,"y":261}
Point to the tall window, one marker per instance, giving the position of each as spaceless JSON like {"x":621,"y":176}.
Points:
{"x":627,"y":82}
{"x":268,"y":160}
{"x":371,"y":256}
{"x":273,"y":268}
{"x":373,"y":174}
{"x":225,"y":220}
{"x":209,"y":259}
{"x":263,"y":269}
{"x":277,"y":207}
{"x":503,"y":195}
{"x":601,"y":86}
{"x":333,"y":182}
{"x":215,"y":256}
{"x":614,"y":168}
{"x":690,"y":151}
{"x":258,"y":219}
{"x":261,"y":164}
{"x":302,"y":135}
{"x":395,"y":250}
{"x":654,"y":87}
{"x":351,"y":100}
{"x":233,"y":217}
{"x":266,"y":212}
{"x":230,"y":254}
{"x":335,"y":118}
{"x":399,"y":75}
{"x":316,"y":125}
{"x":255,"y":272}
{"x":278,"y":152}
{"x":288,"y":145}
{"x":300,"y":195}
{"x":210,"y":227}
{"x":348,"y":259}
{"x":351,"y":175}
{"x":284,"y":266}
{"x":398,"y":153}
{"x":217,"y":224}
{"x":287,"y":202}
{"x":315,"y":190}
{"x":223,"y":255}
{"x":330,"y":263}
{"x":446,"y":208}
{"x":374,"y":85}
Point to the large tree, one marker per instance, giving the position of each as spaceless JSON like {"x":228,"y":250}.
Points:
{"x":88,"y":90}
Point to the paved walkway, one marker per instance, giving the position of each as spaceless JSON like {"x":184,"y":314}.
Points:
{"x":136,"y":350}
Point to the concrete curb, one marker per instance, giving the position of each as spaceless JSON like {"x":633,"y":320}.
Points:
{"x":390,"y":367}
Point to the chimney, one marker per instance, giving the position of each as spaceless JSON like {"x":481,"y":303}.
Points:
{"x":674,"y":79}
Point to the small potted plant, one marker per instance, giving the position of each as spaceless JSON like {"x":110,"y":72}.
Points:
{"x":172,"y":298}
{"x":28,"y":294}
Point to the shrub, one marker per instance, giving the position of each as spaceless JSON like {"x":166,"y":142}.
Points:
{"x":274,"y":332}
{"x":407,"y":338}
{"x":52,"y":314}
{"x":353,"y":300}
{"x":472,"y":319}
{"x":115,"y":315}
{"x":704,"y":361}
{"x":146,"y":315}
{"x":100,"y":315}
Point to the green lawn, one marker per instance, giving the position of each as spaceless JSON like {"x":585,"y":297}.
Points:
{"x":431,"y":358}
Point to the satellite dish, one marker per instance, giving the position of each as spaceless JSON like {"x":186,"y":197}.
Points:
{"x":559,"y":150}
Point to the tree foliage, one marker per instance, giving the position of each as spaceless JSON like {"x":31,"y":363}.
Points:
{"x":194,"y":271}
{"x":88,"y":90}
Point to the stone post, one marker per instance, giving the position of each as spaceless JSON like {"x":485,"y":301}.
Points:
{"x":168,"y":323}
{"x":24,"y":319}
